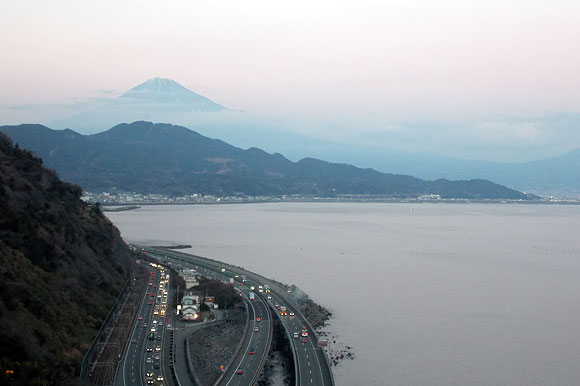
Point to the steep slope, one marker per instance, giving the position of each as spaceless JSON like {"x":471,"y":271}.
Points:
{"x":62,"y":265}
{"x":162,"y":158}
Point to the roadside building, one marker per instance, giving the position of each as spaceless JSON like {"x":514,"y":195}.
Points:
{"x":191,"y":278}
{"x":190,"y":307}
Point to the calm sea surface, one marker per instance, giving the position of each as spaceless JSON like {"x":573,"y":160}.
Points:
{"x":427,"y":294}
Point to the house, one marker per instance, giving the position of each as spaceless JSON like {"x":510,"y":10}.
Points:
{"x":190,"y":307}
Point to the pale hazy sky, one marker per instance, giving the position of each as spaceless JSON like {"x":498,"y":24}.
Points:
{"x":445,"y":62}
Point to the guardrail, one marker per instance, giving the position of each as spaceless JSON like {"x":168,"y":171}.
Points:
{"x":238,"y":349}
{"x":217,"y":266}
{"x":293,"y":344}
{"x":268,"y":344}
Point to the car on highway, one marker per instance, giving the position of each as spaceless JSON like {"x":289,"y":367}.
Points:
{"x":149,"y":360}
{"x":291,"y":314}
{"x":252,"y":351}
{"x":295,"y":335}
{"x":149,"y":349}
{"x":140,"y":317}
{"x":133,"y":340}
{"x":160,"y":379}
{"x":149,"y":373}
{"x":269,"y":297}
{"x":150,"y":381}
{"x":258,"y":319}
{"x":156,"y":365}
{"x":240,"y":371}
{"x":256,"y":329}
{"x":304,"y":340}
{"x":144,"y":325}
{"x":158,"y":348}
{"x":150,"y":303}
{"x":157,"y":357}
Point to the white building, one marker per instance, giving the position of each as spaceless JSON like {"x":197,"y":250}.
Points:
{"x":191,"y":278}
{"x":190,"y":307}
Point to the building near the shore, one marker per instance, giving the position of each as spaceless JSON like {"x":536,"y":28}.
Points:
{"x":190,"y":307}
{"x":191,"y":278}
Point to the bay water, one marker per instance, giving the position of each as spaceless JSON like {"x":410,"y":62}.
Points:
{"x":426,"y":294}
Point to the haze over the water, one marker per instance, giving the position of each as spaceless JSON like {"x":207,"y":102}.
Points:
{"x":490,"y":80}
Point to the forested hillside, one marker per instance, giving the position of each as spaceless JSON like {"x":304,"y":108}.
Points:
{"x":62,"y":265}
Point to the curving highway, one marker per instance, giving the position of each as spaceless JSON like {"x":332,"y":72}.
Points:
{"x":311,"y":365}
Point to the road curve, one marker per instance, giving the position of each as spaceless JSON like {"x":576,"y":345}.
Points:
{"x":312,"y":367}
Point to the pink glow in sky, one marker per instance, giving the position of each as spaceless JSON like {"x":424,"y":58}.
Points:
{"x":447,"y":60}
{"x":267,"y":55}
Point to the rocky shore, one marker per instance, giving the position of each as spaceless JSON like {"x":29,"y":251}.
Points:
{"x":315,"y":314}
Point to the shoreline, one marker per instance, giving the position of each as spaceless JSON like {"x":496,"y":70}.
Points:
{"x":344,"y":200}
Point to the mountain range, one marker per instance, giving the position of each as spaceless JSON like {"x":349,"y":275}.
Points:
{"x":164,"y":100}
{"x":173,"y":160}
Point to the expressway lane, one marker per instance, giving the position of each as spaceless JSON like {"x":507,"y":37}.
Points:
{"x":139,"y":364}
{"x":309,"y":371}
{"x":312,"y":367}
{"x":257,"y":337}
{"x":258,"y":343}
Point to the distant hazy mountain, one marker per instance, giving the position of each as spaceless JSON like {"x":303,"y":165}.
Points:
{"x":558,"y":176}
{"x":167,"y":92}
{"x":152,"y":99}
{"x":163,"y":158}
{"x":164,"y":100}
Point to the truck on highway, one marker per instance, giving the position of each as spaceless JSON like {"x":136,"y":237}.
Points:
{"x":252,"y":296}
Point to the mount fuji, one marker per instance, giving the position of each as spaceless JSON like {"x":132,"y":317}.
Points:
{"x":168,"y":93}
{"x":157,"y":99}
